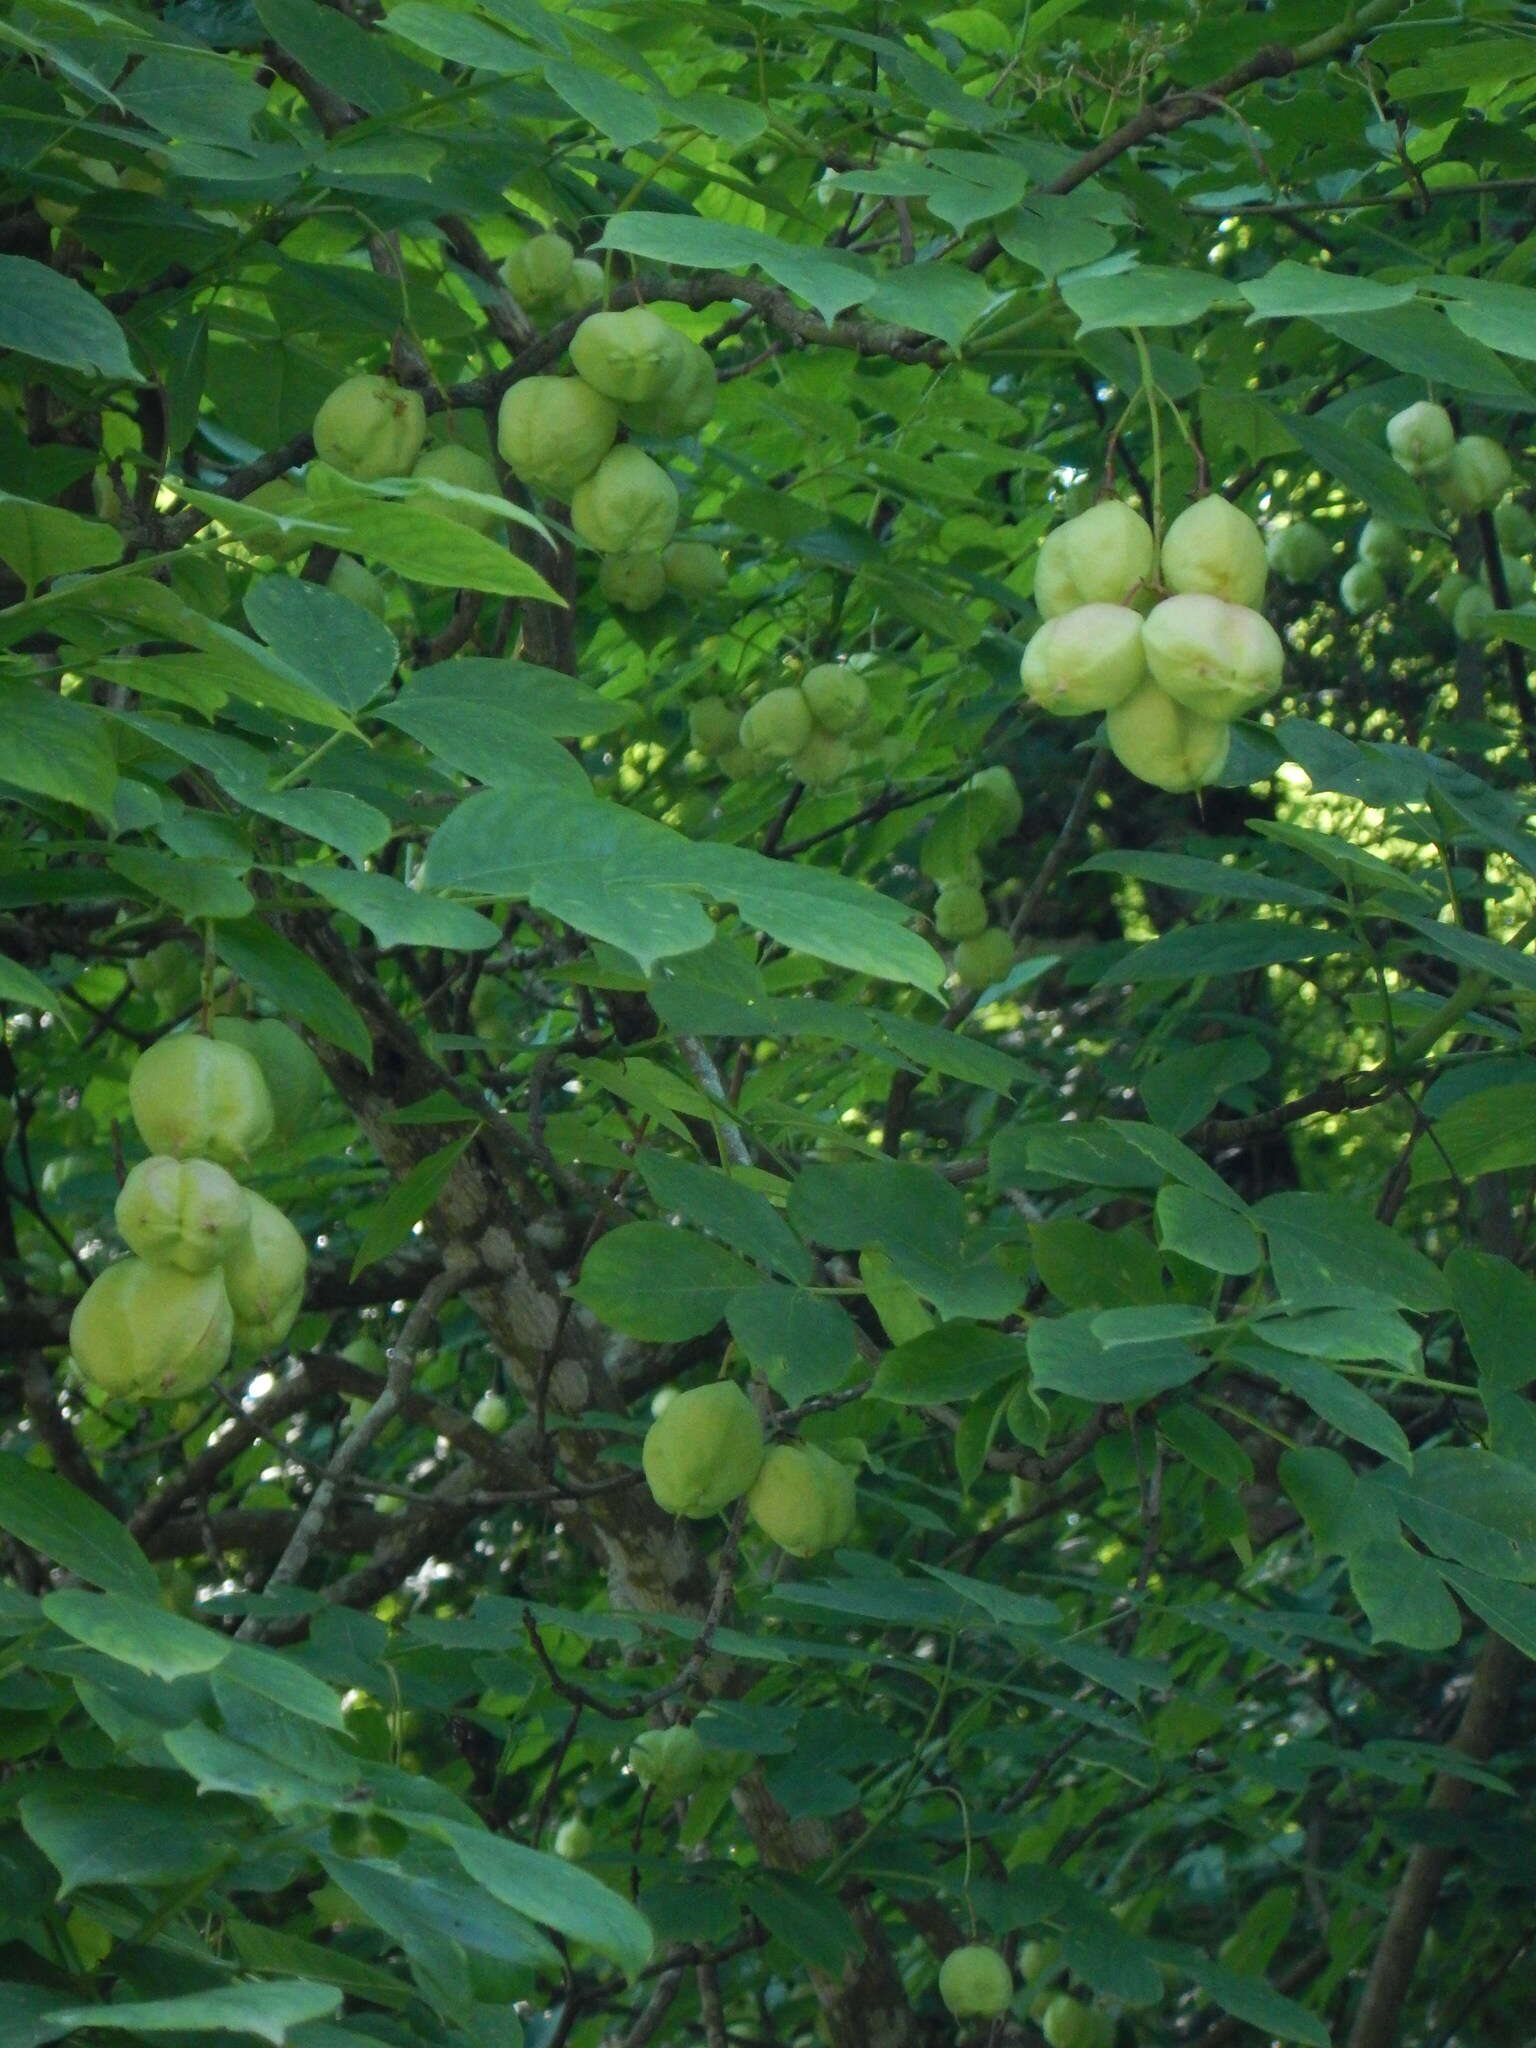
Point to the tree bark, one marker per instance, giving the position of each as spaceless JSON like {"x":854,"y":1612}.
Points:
{"x":1413,"y":1903}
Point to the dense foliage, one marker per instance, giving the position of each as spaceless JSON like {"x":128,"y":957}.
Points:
{"x":1068,"y":1235}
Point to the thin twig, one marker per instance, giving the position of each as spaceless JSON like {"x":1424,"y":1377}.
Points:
{"x":402,"y":1362}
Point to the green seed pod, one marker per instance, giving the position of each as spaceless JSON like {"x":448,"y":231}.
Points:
{"x":573,"y":1839}
{"x":975,"y":1982}
{"x":1473,"y":617}
{"x":492,"y":1412}
{"x":1449,"y":591}
{"x":192,"y":1097}
{"x":633,"y":582}
{"x":295,"y":1078}
{"x":1476,"y":476}
{"x":630,"y":357}
{"x":170,"y":973}
{"x":1164,"y":743}
{"x":553,"y":432}
{"x":285,"y":500}
{"x":685,"y":402}
{"x":585,"y":288}
{"x":1515,"y":527}
{"x":265,"y":1277}
{"x":370,"y":427}
{"x":703,"y":1451}
{"x":822,"y":761}
{"x":778,"y":724}
{"x":670,"y":1760}
{"x":1084,"y":660}
{"x":1421,"y":438}
{"x":1383,"y":545}
{"x":540,"y":270}
{"x":151,"y":1333}
{"x":793,"y":1500}
{"x":693,"y":568}
{"x":1362,"y":589}
{"x":1067,"y":2023}
{"x":1220,"y":660}
{"x":1517,"y":578}
{"x":1003,"y":806}
{"x":201,"y":582}
{"x":1103,"y":556}
{"x":985,"y":959}
{"x":1214,"y":550}
{"x":714,"y":728}
{"x":838,"y":696}
{"x":186,"y":1213}
{"x":465,"y":471}
{"x":627,"y":506}
{"x":741,"y":764}
{"x":349,"y":579}
{"x":1298,"y":553}
{"x":960,"y":912}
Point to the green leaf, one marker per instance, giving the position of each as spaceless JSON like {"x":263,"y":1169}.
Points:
{"x":1306,"y":289}
{"x":802,"y":1343}
{"x":425,"y":547}
{"x":1421,"y":342}
{"x":1363,"y":467}
{"x":830,"y":281}
{"x":387,"y":1227}
{"x":397,"y":915}
{"x":1475,"y":1508}
{"x":1327,"y":1253}
{"x":1087,"y":1267}
{"x":630,"y":880}
{"x":625,"y":117}
{"x":47,"y":315}
{"x":1471,"y":949}
{"x":660,"y":1284}
{"x":342,"y":651}
{"x":1202,"y":877}
{"x":1145,"y":295}
{"x":193,"y":888}
{"x":952,"y":1363}
{"x":56,"y":746}
{"x":553,"y":1892}
{"x":1497,"y":1306}
{"x":122,"y":1826}
{"x":1110,"y":1154}
{"x":810,"y":1922}
{"x":1208,"y":1447}
{"x":1193,"y":1226}
{"x":1065,"y":1357}
{"x":28,"y":991}
{"x":936,"y":298}
{"x":40,"y":541}
{"x":279,"y":1679}
{"x":726,"y":1207}
{"x":24,"y":2010}
{"x":1488,"y":1132}
{"x":1344,"y":1406}
{"x":1498,"y":315}
{"x":1249,"y":1999}
{"x":294,"y":984}
{"x":1234,"y":946}
{"x":1509,"y":1610}
{"x":53,"y":1518}
{"x":1403,"y":1595}
{"x":286,"y":1791}
{"x":269,"y":2011}
{"x":137,"y":1632}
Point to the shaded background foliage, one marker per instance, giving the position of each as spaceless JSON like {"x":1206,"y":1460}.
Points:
{"x":1174,"y":1295}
